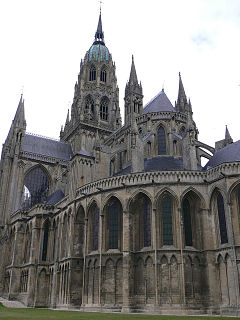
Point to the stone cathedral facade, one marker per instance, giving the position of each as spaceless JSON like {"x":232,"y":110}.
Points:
{"x":120,"y":217}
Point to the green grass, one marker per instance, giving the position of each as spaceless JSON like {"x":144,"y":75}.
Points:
{"x":39,"y":314}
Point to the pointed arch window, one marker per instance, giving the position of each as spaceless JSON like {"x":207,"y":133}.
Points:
{"x":222,"y":219}
{"x":36,"y":188}
{"x":45,"y":240}
{"x":114,"y":224}
{"x":167,"y":221}
{"x":92,"y":73}
{"x":147,"y":222}
{"x":104,"y":109}
{"x":103,"y":75}
{"x":95,"y":227}
{"x":187,"y":222}
{"x":89,"y":107}
{"x":162,"y":148}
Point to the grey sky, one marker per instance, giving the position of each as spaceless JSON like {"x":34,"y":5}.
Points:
{"x":42,"y":43}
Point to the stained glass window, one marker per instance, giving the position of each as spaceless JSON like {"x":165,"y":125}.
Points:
{"x":114,"y":224}
{"x":45,"y":241}
{"x":103,"y":75}
{"x":95,"y":227}
{"x":36,"y":188}
{"x":187,"y":222}
{"x":104,"y":109}
{"x":167,"y":221}
{"x":161,"y":141}
{"x":92,"y":74}
{"x":147,"y":222}
{"x":222,"y":219}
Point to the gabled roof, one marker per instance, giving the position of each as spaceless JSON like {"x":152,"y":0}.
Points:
{"x":159,"y":103}
{"x":47,"y":147}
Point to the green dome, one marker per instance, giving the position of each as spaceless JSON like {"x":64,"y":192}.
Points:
{"x":97,"y":50}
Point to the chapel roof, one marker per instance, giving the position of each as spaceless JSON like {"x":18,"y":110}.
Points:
{"x":159,"y":103}
{"x":230,"y":153}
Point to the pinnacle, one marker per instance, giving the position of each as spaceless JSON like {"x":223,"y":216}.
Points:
{"x":227,"y":135}
{"x":99,"y":35}
{"x":133,"y":74}
{"x":181,"y":92}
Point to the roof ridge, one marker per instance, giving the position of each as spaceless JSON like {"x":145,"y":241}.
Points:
{"x":153,"y":98}
{"x":45,"y":137}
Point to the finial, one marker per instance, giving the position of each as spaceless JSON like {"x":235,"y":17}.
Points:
{"x":179,"y":74}
{"x":163,"y":86}
{"x":100,"y":4}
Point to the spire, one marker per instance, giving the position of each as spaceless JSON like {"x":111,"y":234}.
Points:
{"x":228,"y":137}
{"x":133,"y":75}
{"x":19,"y":119}
{"x":181,"y":92}
{"x":99,"y":35}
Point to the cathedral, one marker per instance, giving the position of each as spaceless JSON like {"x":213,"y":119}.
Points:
{"x":119,"y":216}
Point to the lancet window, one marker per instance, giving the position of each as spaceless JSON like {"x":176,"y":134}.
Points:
{"x":103,"y":75}
{"x":45,"y":240}
{"x":161,"y":136}
{"x":187,"y":223}
{"x":95,"y":227}
{"x":167,"y":221}
{"x":92,"y":73}
{"x":104,"y":108}
{"x":114,"y":224}
{"x":222,"y":219}
{"x":36,"y":188}
{"x":147,"y":222}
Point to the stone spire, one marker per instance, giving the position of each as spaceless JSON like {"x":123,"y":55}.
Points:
{"x":99,"y":35}
{"x":19,"y":119}
{"x":133,"y":74}
{"x":228,"y":137}
{"x":182,"y":99}
{"x":133,"y":96}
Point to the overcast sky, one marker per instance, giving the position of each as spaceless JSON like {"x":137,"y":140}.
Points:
{"x":42,"y":43}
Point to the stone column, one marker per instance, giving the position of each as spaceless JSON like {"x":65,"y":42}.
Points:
{"x":231,"y":240}
{"x":33,"y":260}
{"x":126,"y":261}
{"x":181,"y":233}
{"x":17,"y":260}
{"x":84,"y":262}
{"x":100,"y":255}
{"x":154,"y":237}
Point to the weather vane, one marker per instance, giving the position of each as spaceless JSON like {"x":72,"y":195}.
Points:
{"x":100,"y":3}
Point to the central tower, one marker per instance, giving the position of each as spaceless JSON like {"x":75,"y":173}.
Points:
{"x":95,"y":109}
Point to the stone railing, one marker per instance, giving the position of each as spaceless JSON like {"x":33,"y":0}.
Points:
{"x":40,"y":157}
{"x":160,"y":177}
{"x":161,"y":115}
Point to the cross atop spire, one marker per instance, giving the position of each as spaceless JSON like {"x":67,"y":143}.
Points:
{"x":99,"y":35}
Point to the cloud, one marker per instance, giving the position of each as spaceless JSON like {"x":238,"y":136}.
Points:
{"x":202,"y":40}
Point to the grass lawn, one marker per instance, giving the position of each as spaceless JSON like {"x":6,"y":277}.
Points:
{"x":39,"y":314}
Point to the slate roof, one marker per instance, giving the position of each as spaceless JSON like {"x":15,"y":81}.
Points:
{"x":47,"y":147}
{"x":55,"y":197}
{"x":84,"y":152}
{"x":230,"y":153}
{"x":158,"y":164}
{"x":159,"y":103}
